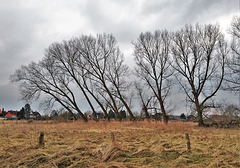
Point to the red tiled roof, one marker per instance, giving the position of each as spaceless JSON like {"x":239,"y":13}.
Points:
{"x":11,"y":114}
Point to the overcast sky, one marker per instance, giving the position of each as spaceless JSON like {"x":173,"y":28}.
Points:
{"x":27,"y":27}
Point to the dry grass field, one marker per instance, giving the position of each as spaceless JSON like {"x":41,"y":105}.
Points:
{"x":115,"y":144}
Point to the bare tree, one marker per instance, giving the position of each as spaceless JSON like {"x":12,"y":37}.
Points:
{"x":233,"y":63}
{"x":105,"y":69}
{"x":95,"y":51}
{"x":152,"y":57}
{"x":229,"y":110}
{"x":199,"y":58}
{"x":117,"y":73}
{"x":84,"y":62}
{"x":89,"y":86}
{"x":44,"y":77}
{"x":145,"y":102}
{"x":66,"y":59}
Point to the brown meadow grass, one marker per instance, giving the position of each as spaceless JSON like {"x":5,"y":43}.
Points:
{"x":116,"y":144}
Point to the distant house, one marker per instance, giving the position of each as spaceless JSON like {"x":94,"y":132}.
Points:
{"x":157,"y":117}
{"x":191,"y":118}
{"x":89,"y":116}
{"x":11,"y":114}
{"x":178,"y":118}
{"x":100,"y":116}
{"x":18,"y":115}
{"x":181,"y":118}
{"x":35,"y":115}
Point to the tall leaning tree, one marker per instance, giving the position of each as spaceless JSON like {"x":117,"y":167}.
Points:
{"x":95,"y":52}
{"x":233,"y":62}
{"x":144,"y":98}
{"x":199,"y":58}
{"x":105,"y":69}
{"x":152,"y":58}
{"x":66,"y":59}
{"x":44,"y":78}
{"x":117,"y":73}
{"x":82,"y":69}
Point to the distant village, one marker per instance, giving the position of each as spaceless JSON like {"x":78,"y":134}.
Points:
{"x":18,"y":115}
{"x":24,"y":114}
{"x":27,"y":114}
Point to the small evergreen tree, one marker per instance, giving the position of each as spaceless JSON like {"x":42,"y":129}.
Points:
{"x":182,"y":116}
{"x":27,"y":111}
{"x":123,"y":114}
{"x":111,"y":114}
{"x":21,"y":114}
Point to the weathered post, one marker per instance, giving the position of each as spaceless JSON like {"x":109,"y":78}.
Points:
{"x":113,"y":138}
{"x":188,"y":142}
{"x":41,"y":140}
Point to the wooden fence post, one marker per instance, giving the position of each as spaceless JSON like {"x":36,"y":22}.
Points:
{"x":188,"y":142}
{"x":41,"y":140}
{"x":113,"y":138}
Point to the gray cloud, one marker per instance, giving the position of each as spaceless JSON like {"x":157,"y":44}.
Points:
{"x":9,"y":98}
{"x":206,"y":11}
{"x":30,"y":26}
{"x":17,"y":36}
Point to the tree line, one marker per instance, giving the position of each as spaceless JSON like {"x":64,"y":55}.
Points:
{"x":197,"y":58}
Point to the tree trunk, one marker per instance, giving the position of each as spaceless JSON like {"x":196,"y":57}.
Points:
{"x":113,"y":101}
{"x":69,"y":110}
{"x":83,"y":116}
{"x":74,"y":117}
{"x":200,"y":118}
{"x":165,"y":117}
{"x":90,"y":104}
{"x":199,"y":111}
{"x":144,"y":108}
{"x":132,"y":118}
{"x":100,"y":104}
{"x":96,"y":99}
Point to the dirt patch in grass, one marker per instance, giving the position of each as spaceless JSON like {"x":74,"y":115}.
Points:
{"x":145,"y":152}
{"x":169,"y":155}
